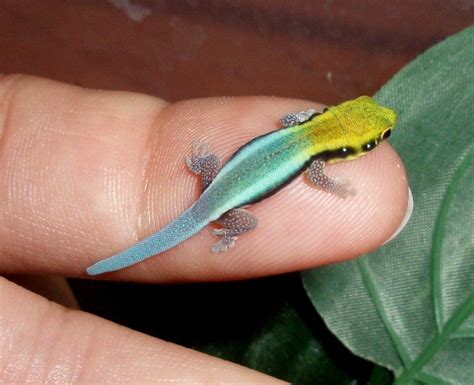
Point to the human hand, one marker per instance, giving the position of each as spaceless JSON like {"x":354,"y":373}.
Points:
{"x":87,"y":173}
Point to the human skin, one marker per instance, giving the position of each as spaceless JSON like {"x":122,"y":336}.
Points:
{"x":86,"y":173}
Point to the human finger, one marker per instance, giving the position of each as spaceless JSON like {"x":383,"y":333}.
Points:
{"x":42,"y":342}
{"x":85,"y":174}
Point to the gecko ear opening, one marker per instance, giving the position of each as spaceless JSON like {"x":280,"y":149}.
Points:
{"x":386,"y":134}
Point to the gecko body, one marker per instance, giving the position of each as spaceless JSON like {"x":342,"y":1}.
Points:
{"x":307,"y":141}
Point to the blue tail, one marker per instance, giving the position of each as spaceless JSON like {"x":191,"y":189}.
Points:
{"x":182,"y":228}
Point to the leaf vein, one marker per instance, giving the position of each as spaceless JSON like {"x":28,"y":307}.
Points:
{"x":367,"y":279}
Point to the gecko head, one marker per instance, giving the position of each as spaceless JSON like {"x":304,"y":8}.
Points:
{"x":376,"y":122}
{"x":367,"y":123}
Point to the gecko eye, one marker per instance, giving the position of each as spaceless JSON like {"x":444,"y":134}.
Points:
{"x":386,"y":134}
{"x":370,"y":146}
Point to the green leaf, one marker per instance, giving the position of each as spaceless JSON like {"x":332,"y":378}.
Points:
{"x":410,"y":305}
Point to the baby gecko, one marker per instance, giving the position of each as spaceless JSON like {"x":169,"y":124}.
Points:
{"x":307,"y":141}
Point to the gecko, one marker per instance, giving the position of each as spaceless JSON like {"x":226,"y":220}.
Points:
{"x":306,"y":142}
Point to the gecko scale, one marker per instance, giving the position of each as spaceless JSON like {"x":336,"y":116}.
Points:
{"x":307,"y":141}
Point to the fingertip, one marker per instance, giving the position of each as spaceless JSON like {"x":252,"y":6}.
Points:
{"x":406,"y":218}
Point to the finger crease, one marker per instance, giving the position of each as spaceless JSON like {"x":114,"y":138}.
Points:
{"x":8,"y":88}
{"x":143,"y":204}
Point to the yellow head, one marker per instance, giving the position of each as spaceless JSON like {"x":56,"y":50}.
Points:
{"x":364,"y":117}
{"x":352,"y":128}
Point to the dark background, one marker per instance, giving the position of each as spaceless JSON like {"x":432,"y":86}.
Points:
{"x":326,"y":51}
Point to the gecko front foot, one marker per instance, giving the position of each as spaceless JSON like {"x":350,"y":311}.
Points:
{"x":343,"y":188}
{"x":298,"y":117}
{"x":340,"y":187}
{"x":235,"y":222}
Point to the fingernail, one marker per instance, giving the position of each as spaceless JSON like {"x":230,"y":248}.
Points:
{"x":406,"y":218}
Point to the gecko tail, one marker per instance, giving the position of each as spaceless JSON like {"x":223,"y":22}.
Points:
{"x":182,"y":228}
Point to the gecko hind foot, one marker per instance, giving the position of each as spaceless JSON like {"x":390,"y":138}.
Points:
{"x":225,"y":243}
{"x":235,"y":222}
{"x":203,"y":162}
{"x":200,"y":150}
